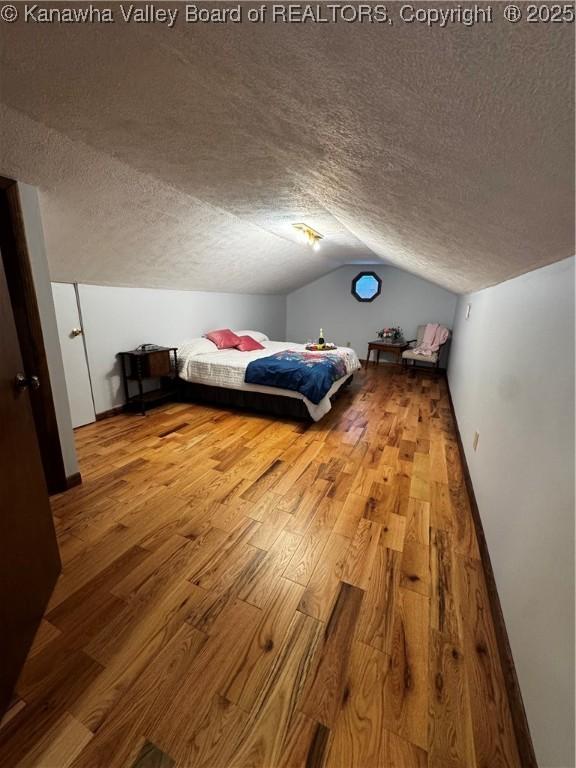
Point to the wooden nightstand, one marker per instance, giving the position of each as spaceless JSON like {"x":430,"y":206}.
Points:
{"x":141,"y":364}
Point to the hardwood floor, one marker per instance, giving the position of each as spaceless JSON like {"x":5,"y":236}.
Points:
{"x":240,"y":591}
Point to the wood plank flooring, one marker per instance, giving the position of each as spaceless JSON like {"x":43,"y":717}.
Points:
{"x":239,"y":591}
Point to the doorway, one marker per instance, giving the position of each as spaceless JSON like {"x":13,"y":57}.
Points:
{"x":21,"y":289}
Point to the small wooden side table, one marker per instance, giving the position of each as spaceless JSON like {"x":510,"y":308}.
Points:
{"x":141,"y":364}
{"x":393,"y":347}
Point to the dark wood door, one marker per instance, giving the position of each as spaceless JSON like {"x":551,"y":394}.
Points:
{"x":29,"y":559}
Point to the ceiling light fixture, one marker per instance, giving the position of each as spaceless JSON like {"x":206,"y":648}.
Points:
{"x":308,"y":235}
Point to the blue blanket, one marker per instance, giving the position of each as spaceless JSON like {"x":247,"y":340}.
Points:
{"x":310,"y":373}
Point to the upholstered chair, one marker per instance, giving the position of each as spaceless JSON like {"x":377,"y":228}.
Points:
{"x":408,"y":354}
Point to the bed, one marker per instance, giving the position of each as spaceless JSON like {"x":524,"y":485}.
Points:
{"x":218,"y":376}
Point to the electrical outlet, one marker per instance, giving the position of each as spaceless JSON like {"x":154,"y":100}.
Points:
{"x":468,"y":308}
{"x":475,"y":441}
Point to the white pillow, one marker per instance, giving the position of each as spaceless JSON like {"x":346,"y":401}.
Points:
{"x":197,"y":347}
{"x":256,"y":335}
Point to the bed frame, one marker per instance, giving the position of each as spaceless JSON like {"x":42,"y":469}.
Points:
{"x":275,"y":405}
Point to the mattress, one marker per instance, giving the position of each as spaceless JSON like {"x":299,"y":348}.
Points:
{"x":227,"y":368}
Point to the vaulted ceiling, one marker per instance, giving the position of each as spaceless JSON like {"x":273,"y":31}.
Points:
{"x":180,"y":157}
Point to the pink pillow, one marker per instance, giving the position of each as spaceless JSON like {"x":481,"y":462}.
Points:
{"x":248,"y":344}
{"x":224,"y":339}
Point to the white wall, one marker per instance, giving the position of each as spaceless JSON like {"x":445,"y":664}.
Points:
{"x":327,"y":303}
{"x":119,"y":319}
{"x":511,"y":375}
{"x":39,"y":265}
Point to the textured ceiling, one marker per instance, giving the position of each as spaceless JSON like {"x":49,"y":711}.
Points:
{"x":180,"y":157}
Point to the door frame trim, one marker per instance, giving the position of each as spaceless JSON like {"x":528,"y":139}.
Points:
{"x":16,"y":260}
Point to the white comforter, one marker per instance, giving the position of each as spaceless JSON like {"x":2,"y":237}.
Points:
{"x":227,"y":367}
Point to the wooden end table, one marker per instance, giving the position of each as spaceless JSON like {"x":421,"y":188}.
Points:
{"x":152,"y":363}
{"x":392,"y":347}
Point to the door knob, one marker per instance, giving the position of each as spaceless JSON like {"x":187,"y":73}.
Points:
{"x":76,"y":332}
{"x":23,"y":382}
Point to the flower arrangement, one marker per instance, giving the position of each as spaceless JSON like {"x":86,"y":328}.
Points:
{"x":391,"y":334}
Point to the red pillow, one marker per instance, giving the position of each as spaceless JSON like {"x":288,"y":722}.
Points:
{"x":224,"y":339}
{"x":248,"y":344}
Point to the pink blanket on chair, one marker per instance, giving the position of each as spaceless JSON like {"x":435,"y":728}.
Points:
{"x":434,"y":336}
